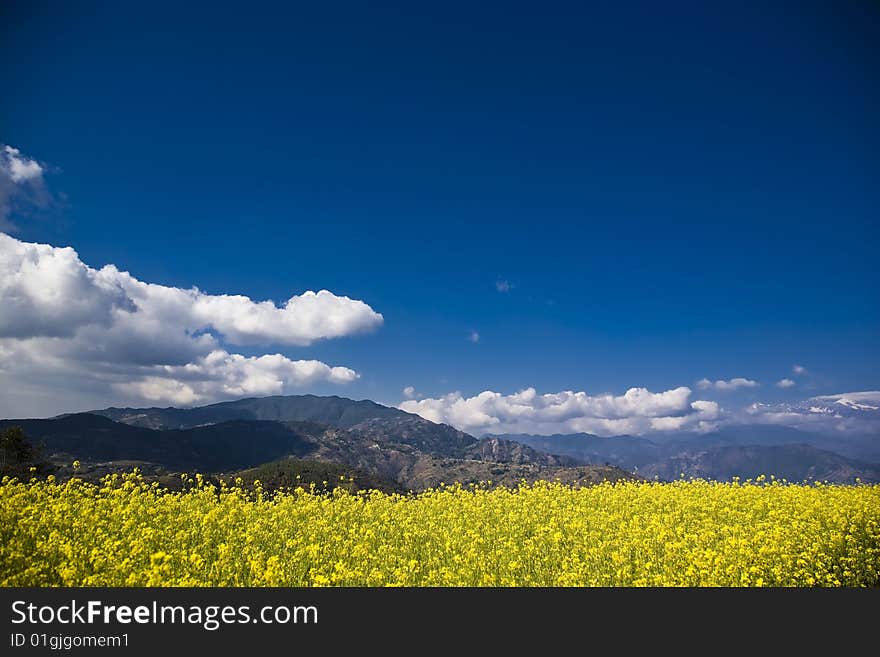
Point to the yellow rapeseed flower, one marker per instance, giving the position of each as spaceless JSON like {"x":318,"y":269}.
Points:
{"x":128,"y":532}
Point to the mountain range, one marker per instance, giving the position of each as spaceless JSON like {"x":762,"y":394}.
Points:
{"x":389,"y":448}
{"x":744,"y":451}
{"x":387,"y":445}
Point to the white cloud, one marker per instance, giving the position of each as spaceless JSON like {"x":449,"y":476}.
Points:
{"x":721,"y":384}
{"x":637,"y":411}
{"x":49,"y":291}
{"x":710,"y":410}
{"x":66,"y":325}
{"x":503,"y":285}
{"x":785,"y":383}
{"x":221,"y":375}
{"x":800,"y":370}
{"x":301,"y":320}
{"x":21,"y":168}
{"x":409,"y":392}
{"x":474,"y":336}
{"x":21,"y":185}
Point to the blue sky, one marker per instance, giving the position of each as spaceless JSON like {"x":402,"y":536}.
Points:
{"x":610,"y":196}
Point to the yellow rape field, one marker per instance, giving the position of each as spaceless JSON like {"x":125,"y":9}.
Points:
{"x":126,"y":532}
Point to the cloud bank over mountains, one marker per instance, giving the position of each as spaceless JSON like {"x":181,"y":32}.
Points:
{"x":636,"y":411}
{"x":639,"y":412}
{"x":65,"y":326}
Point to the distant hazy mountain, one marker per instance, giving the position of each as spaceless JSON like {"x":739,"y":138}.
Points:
{"x":587,"y":448}
{"x":743,"y":451}
{"x":791,"y":462}
{"x":386,"y":443}
{"x":862,"y":447}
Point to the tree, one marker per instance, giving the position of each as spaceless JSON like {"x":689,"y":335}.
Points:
{"x":14,"y":448}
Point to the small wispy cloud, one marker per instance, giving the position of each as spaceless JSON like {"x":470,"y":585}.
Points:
{"x":409,"y":392}
{"x":503,"y":286}
{"x":800,"y":370}
{"x":785,"y":383}
{"x":473,"y":336}
{"x":22,"y":187}
{"x":731,"y":384}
